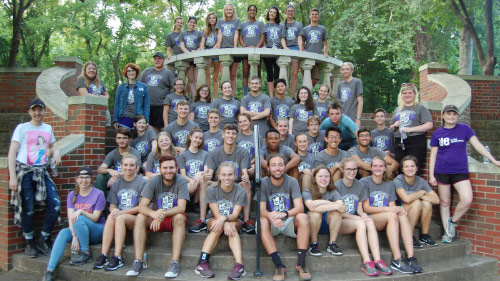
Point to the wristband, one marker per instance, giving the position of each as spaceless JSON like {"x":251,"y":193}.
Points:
{"x":286,"y":214}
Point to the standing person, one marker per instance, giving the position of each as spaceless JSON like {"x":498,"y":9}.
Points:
{"x":164,"y":147}
{"x":131,"y":99}
{"x":213,"y":137}
{"x":315,"y":137}
{"x":172,"y":41}
{"x":316,"y":41}
{"x":347,"y":127}
{"x":124,"y":199}
{"x":306,"y":164}
{"x":29,"y":179}
{"x":321,"y":103}
{"x":273,"y":41}
{"x":89,"y":83}
{"x":245,"y":135}
{"x":227,"y":37}
{"x":301,"y":111}
{"x":143,"y":137}
{"x":200,"y":107}
{"x":286,"y":139}
{"x":227,"y":105}
{"x":257,"y":105}
{"x":190,"y":40}
{"x":448,"y":166}
{"x":171,"y":100}
{"x":410,"y":122}
{"x":180,"y":128}
{"x":383,"y":137}
{"x":280,"y":104}
{"x":332,"y":156}
{"x":160,"y":83}
{"x":417,"y":197}
{"x":226,"y":200}
{"x":252,"y":36}
{"x":292,"y":33}
{"x":350,"y":93}
{"x":282,"y":212}
{"x":85,"y":208}
{"x":208,"y":42}
{"x":162,"y":208}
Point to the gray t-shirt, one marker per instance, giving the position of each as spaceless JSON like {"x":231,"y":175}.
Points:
{"x":180,"y":133}
{"x":192,"y":162}
{"x":380,"y":194}
{"x":160,"y":84}
{"x":348,"y":93}
{"x":328,"y":195}
{"x":419,"y":184}
{"x":273,"y":36}
{"x":152,"y":164}
{"x":200,"y":110}
{"x":210,"y":40}
{"x":191,"y":39}
{"x":280,"y":198}
{"x":351,"y":195}
{"x":288,"y":141}
{"x":114,"y":159}
{"x":173,"y":42}
{"x":258,"y":104}
{"x":368,"y":156}
{"x":212,"y":140}
{"x":300,"y":115}
{"x":284,"y":151}
{"x":314,"y":36}
{"x":229,"y":110}
{"x":93,"y":89}
{"x":240,"y":159}
{"x":317,"y":143}
{"x":226,"y":201}
{"x":143,"y":143}
{"x":292,"y":31}
{"x":411,"y":116}
{"x":247,"y":142}
{"x":251,"y":32}
{"x":383,"y":140}
{"x":323,"y":158}
{"x":172,"y":100}
{"x":307,"y":162}
{"x":322,"y":109}
{"x":228,"y":30}
{"x":281,"y":108}
{"x":126,"y":194}
{"x":165,"y":196}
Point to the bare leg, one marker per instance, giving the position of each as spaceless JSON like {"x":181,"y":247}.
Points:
{"x":107,"y":235}
{"x":207,"y":73}
{"x":141,"y":224}
{"x":123,"y":222}
{"x":334,"y":219}
{"x":215,"y":77}
{"x":464,"y":190}
{"x":270,"y":88}
{"x":390,"y":222}
{"x":203,"y":203}
{"x":406,"y":234}
{"x":294,"y":77}
{"x":179,"y":225}
{"x":246,"y":72}
{"x":371,"y":230}
{"x":246,"y":209}
{"x":426,"y":216}
{"x":191,"y":73}
{"x":233,"y":74}
{"x":235,"y":242}
{"x":315,"y":224}
{"x":444,"y":203}
{"x":266,"y":236}
{"x":303,"y":231}
{"x":414,"y":209}
{"x":212,"y":239}
{"x":349,"y":226}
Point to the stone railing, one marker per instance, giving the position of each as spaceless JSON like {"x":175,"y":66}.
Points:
{"x":328,"y":65}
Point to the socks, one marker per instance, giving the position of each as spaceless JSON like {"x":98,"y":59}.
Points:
{"x":277,"y":260}
{"x":301,"y":257}
{"x":203,"y":257}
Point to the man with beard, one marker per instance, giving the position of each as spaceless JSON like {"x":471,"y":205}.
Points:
{"x":180,"y":128}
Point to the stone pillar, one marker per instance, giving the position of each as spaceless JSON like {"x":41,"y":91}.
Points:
{"x":326,"y":70}
{"x":284,"y":62}
{"x":253,"y":61}
{"x":226,"y":61}
{"x":337,"y":77}
{"x":307,"y":65}
{"x":201,"y":63}
{"x":181,"y":67}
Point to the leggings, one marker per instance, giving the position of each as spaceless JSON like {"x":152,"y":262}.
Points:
{"x":272,"y":69}
{"x":414,"y":145}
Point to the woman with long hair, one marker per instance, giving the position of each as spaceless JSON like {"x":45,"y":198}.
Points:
{"x":301,"y":111}
{"x":307,"y":161}
{"x":171,"y":100}
{"x":200,"y":107}
{"x":172,"y":41}
{"x":164,"y":147}
{"x":291,"y":39}
{"x":189,"y":41}
{"x":89,"y":83}
{"x":227,"y":105}
{"x":273,"y":41}
{"x":208,"y":41}
{"x":143,"y":137}
{"x":192,"y":161}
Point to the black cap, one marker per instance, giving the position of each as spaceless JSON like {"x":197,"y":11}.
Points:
{"x":450,"y":107}
{"x":84,"y":171}
{"x":159,"y":54}
{"x":36,"y":102}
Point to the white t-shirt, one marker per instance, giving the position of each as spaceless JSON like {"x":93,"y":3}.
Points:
{"x":34,"y":143}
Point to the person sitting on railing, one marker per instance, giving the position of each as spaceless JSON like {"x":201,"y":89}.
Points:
{"x":171,"y":100}
{"x":273,"y":41}
{"x":252,"y":36}
{"x":208,"y":41}
{"x":347,"y":127}
{"x":189,"y":41}
{"x":213,"y":137}
{"x":227,"y":105}
{"x":89,"y":83}
{"x":301,"y":111}
{"x":172,"y":41}
{"x":292,"y":33}
{"x":180,"y":128}
{"x":200,"y":107}
{"x":257,"y":105}
{"x":165,"y":147}
{"x":280,"y":103}
{"x":350,"y":93}
{"x":316,"y":41}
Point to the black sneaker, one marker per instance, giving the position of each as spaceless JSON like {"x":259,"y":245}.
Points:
{"x":43,"y":245}
{"x":136,"y":268}
{"x":416,"y":243}
{"x":197,"y":226}
{"x":101,"y":261}
{"x":114,"y":263}
{"x":401,"y":266}
{"x":30,"y":250}
{"x":248,"y":226}
{"x":414,"y":263}
{"x":314,"y":250}
{"x":334,"y":249}
{"x":49,"y":276}
{"x":80,"y":258}
{"x":426,"y":239}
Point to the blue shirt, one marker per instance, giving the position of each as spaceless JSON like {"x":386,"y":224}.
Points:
{"x":346,"y":126}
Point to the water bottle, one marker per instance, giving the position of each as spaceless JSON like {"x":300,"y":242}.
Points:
{"x":53,"y":167}
{"x":485,"y":159}
{"x":144,"y":262}
{"x":403,"y":134}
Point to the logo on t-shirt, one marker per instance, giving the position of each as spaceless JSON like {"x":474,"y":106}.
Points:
{"x":351,"y":203}
{"x":190,"y":41}
{"x":202,"y":111}
{"x":345,"y":93}
{"x":281,"y":111}
{"x":167,"y":200}
{"x":251,"y":31}
{"x":225,"y":207}
{"x":279,"y":202}
{"x":211,"y":40}
{"x":118,"y":166}
{"x":254,"y":106}
{"x":379,"y":199}
{"x":174,"y":103}
{"x":406,"y":118}
{"x":303,"y":165}
{"x":322,"y":112}
{"x":211,"y":144}
{"x":381,"y":142}
{"x":331,"y":164}
{"x":248,"y":146}
{"x":95,"y":90}
{"x":291,"y":33}
{"x":273,"y":33}
{"x":142,"y":147}
{"x":130,"y":98}
{"x":180,"y":138}
{"x":153,"y":80}
{"x":126,"y":199}
{"x":303,"y":115}
{"x":227,"y":29}
{"x":314,"y":36}
{"x":193,"y":166}
{"x":314,"y":148}
{"x":228,"y":110}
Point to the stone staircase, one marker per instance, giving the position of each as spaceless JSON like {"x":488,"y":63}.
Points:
{"x":444,"y":262}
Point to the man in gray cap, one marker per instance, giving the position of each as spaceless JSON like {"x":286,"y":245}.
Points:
{"x":160,"y":81}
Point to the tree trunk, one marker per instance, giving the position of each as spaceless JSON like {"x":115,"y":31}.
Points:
{"x":466,"y":53}
{"x":16,"y":40}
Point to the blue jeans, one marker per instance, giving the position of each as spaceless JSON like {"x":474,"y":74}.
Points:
{"x":86,"y":231}
{"x":28,"y":201}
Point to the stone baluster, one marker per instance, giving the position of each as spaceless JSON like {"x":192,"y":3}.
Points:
{"x":201,"y":64}
{"x":307,"y":65}
{"x":284,"y":62}
{"x":226,"y":61}
{"x":326,"y":70}
{"x":181,"y":67}
{"x":337,"y":77}
{"x":253,"y":61}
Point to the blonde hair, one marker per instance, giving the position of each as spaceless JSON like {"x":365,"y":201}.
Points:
{"x":208,"y":28}
{"x":87,"y":80}
{"x":225,"y":164}
{"x":128,"y":156}
{"x":170,"y":150}
{"x":401,"y":103}
{"x":235,"y":15}
{"x":386,"y":176}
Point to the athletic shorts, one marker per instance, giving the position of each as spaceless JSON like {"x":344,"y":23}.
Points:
{"x":324,"y":228}
{"x":288,"y":228}
{"x":451,"y":178}
{"x":156,"y":116}
{"x":167,"y":226}
{"x":295,"y":48}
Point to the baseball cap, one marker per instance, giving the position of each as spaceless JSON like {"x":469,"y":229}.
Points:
{"x":36,"y":102}
{"x":450,"y":107}
{"x":84,"y":171}
{"x":159,"y":54}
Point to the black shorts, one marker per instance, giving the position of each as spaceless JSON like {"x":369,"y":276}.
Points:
{"x":237,"y":59}
{"x":450,"y":178}
{"x":156,"y":116}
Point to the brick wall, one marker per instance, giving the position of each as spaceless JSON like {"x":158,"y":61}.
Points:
{"x":17,"y":88}
{"x":430,"y":91}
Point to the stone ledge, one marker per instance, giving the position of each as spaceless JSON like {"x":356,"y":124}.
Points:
{"x":69,"y":143}
{"x":481,"y":168}
{"x":68,"y":59}
{"x":479,"y":77}
{"x":432,"y":65}
{"x":48,"y":89}
{"x":94,"y":100}
{"x":22,"y":69}
{"x":458,"y":90}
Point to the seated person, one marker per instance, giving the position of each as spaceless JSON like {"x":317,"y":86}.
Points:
{"x":286,"y":139}
{"x":213,"y":137}
{"x":332,"y":155}
{"x":143,"y":138}
{"x":226,"y":200}
{"x":111,"y":169}
{"x":180,"y":128}
{"x":292,"y":160}
{"x":383,"y":137}
{"x":363,"y":154}
{"x":165,"y":147}
{"x":124,"y":199}
{"x":282,"y":212}
{"x":315,"y":137}
{"x":306,"y":161}
{"x":167,"y":194}
{"x":347,"y":127}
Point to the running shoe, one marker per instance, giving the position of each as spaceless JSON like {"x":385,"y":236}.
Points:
{"x":101,"y":261}
{"x":334,"y":249}
{"x":368,"y":268}
{"x":198,"y":226}
{"x":426,"y":239}
{"x":382,"y":267}
{"x":314,"y":250}
{"x":414,"y":263}
{"x":173,"y":270}
{"x":203,"y":269}
{"x":237,"y":273}
{"x":115,"y":263}
{"x":136,"y":268}
{"x":401,"y":266}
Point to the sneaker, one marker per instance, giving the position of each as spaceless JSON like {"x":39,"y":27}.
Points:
{"x":197,"y":227}
{"x":248,"y":226}
{"x":279,"y":274}
{"x":43,"y":245}
{"x":136,"y":268}
{"x":237,"y":273}
{"x":416,"y":243}
{"x":101,"y":261}
{"x":30,"y":250}
{"x":446,"y":239}
{"x":173,"y":270}
{"x":414,"y":263}
{"x":368,"y":268}
{"x":451,"y":229}
{"x":80,"y":258}
{"x":334,"y":249}
{"x":314,"y":250}
{"x":401,"y":266}
{"x":49,"y":276}
{"x":382,"y":268}
{"x":203,"y":269}
{"x":304,"y":275}
{"x":426,"y":239}
{"x":115,"y":263}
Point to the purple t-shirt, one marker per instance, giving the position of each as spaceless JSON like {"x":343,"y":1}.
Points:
{"x":451,"y":156}
{"x":94,"y":201}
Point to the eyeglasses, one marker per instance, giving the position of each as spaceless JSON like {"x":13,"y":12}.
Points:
{"x":203,"y":90}
{"x":351,"y":170}
{"x":130,"y":70}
